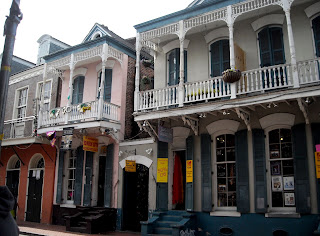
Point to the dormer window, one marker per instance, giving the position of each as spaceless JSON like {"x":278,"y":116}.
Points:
{"x":96,"y":35}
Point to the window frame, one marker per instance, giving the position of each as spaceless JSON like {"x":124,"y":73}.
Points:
{"x":209,"y":54}
{"x":73,"y":88}
{"x":268,"y":174}
{"x":98,"y":84}
{"x":16,"y":102}
{"x":313,"y":35}
{"x":215,"y":177}
{"x":177,"y":70}
{"x":39,"y":95}
{"x":67,"y":175}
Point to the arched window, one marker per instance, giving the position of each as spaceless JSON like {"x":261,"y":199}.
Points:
{"x":316,"y":33}
{"x":107,"y":85}
{"x":271,"y":46}
{"x":220,"y":57}
{"x":225,"y":165}
{"x":78,"y":85}
{"x":281,"y":165}
{"x":174,"y":66}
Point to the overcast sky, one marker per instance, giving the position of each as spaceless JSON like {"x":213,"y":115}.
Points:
{"x":70,"y":20}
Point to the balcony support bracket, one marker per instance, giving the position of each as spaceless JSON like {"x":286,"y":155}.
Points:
{"x":304,"y":108}
{"x":46,"y":152}
{"x":17,"y":155}
{"x":192,"y":122}
{"x":245,"y":116}
{"x":147,"y":127}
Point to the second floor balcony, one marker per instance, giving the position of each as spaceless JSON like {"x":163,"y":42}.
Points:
{"x":84,"y":113}
{"x":252,"y":82}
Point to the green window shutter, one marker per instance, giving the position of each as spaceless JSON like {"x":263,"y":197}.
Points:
{"x":108,"y":176}
{"x":243,"y":200}
{"x":185,"y":66}
{"x":59,"y":198}
{"x":107,"y":85}
{"x":189,"y":186}
{"x":220,"y":57}
{"x":260,"y":170}
{"x":88,"y":179}
{"x":177,"y":66}
{"x":316,"y":34}
{"x":162,"y":188}
{"x":302,"y":190}
{"x":78,"y":86}
{"x":171,"y":68}
{"x":78,"y":180}
{"x":316,"y":140}
{"x":206,"y":175}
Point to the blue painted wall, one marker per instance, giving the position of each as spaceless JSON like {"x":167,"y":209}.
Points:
{"x":256,"y":224}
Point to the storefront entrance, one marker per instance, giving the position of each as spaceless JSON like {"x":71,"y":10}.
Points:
{"x":179,"y":181}
{"x":135,"y":197}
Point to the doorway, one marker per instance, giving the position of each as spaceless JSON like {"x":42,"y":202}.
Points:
{"x":34,"y":201}
{"x":101,"y":181}
{"x":179,"y":180}
{"x":135,"y":197}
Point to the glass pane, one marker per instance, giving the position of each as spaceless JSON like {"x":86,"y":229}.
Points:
{"x":220,"y":141}
{"x":275,"y":167}
{"x":285,"y":135}
{"x":286,"y":150}
{"x":222,"y":199}
{"x":274,"y":151}
{"x":222,"y":186}
{"x":231,"y":154}
{"x":70,"y":182}
{"x":288,"y":167}
{"x":232,"y":199}
{"x":277,"y":200}
{"x":230,"y":140}
{"x":220,"y":155}
{"x":221,"y":170}
{"x":274,"y":136}
{"x":231,"y":184}
{"x":231,"y":170}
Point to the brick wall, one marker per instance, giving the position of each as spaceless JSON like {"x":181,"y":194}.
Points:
{"x":131,"y":128}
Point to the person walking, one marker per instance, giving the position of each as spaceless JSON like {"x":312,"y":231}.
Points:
{"x":8,"y":225}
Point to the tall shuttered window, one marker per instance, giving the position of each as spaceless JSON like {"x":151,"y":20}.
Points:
{"x":107,"y":85}
{"x":281,"y":169}
{"x":174,"y":66}
{"x":271,"y":46}
{"x":71,"y":169}
{"x":316,"y":33}
{"x":22,"y":102}
{"x":225,"y":165}
{"x":220,"y":57}
{"x":78,"y":85}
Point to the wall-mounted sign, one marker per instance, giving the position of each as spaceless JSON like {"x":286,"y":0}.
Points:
{"x":317,"y":161}
{"x":90,"y":144}
{"x":162,"y":170}
{"x":189,"y":171}
{"x":103,"y":150}
{"x":130,"y":166}
{"x":165,"y":134}
{"x":66,"y":140}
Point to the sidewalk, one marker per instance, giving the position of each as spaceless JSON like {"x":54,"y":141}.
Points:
{"x":36,"y":229}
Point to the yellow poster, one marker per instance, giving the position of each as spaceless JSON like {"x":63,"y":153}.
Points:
{"x":130,"y":166}
{"x":317,"y":160}
{"x":90,"y":144}
{"x":189,"y":171}
{"x":162,"y":170}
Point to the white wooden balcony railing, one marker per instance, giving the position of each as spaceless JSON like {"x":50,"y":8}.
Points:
{"x":74,"y":113}
{"x":19,"y":128}
{"x":252,"y":81}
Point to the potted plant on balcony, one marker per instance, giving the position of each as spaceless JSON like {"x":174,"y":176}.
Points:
{"x":231,"y":75}
{"x":145,"y":83}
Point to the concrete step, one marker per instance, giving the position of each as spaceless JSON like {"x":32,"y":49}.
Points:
{"x":163,"y":231}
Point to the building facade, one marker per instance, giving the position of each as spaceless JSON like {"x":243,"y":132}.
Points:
{"x":244,"y":150}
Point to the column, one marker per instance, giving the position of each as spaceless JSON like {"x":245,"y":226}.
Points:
{"x":181,"y":69}
{"x":230,"y":22}
{"x":70,"y":86}
{"x":101,"y":89}
{"x":286,"y":9}
{"x":39,"y":113}
{"x":137,"y":80}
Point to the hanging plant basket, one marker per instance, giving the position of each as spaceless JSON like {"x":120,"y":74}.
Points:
{"x":145,"y":80}
{"x":231,"y":76}
{"x":147,"y":63}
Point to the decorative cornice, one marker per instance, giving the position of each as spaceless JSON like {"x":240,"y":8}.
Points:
{"x":26,"y":74}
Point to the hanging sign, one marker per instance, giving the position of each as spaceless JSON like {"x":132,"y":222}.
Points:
{"x":162,"y":170}
{"x":66,"y":140}
{"x":130,"y":166}
{"x":90,"y":144}
{"x":189,"y":171}
{"x":165,"y":134}
{"x":317,"y":161}
{"x":318,"y":148}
